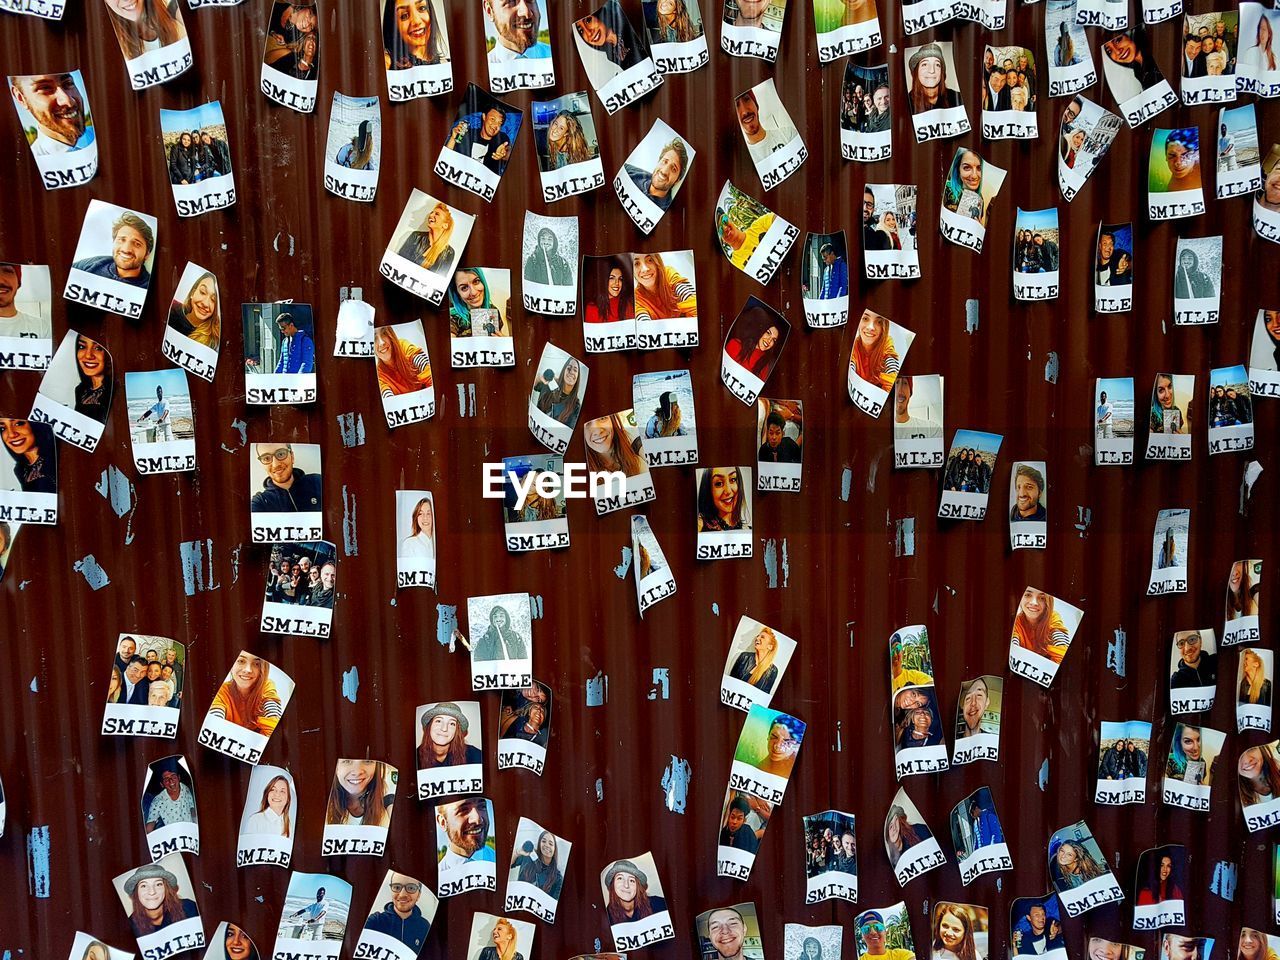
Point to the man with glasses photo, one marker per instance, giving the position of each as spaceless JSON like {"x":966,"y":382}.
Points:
{"x":286,"y":489}
{"x":400,"y":917}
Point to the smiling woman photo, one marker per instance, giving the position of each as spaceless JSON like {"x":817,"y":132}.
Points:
{"x":31,"y":445}
{"x":362,"y":794}
{"x":196,"y":316}
{"x":248,"y":697}
{"x":723,"y":500}
{"x":413,"y":34}
{"x":155,"y":901}
{"x":93,"y":367}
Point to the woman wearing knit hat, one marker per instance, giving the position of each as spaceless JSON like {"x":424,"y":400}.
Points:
{"x":445,"y":732}
{"x":634,"y":903}
{"x":152,"y":897}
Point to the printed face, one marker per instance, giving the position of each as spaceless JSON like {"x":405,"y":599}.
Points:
{"x":8,"y":285}
{"x":153,"y":670}
{"x":1190,"y":740}
{"x":437,"y":219}
{"x":1036,"y":917}
{"x":1189,"y":646}
{"x":971,"y":171}
{"x":781,"y":744}
{"x":169,"y":780}
{"x":151,"y":892}
{"x":768,"y":338}
{"x":997,"y":81}
{"x":516,"y":22}
{"x":442,"y":730}
{"x":727,"y":932}
{"x":910,"y":699}
{"x":1068,"y":859}
{"x":1164,"y":392}
{"x":55,"y":102}
{"x":91,"y":356}
{"x":1166,"y":868}
{"x":975,"y":703}
{"x":929,"y":72}
{"x":558,"y":130}
{"x":593,"y":31}
{"x":328,"y":576}
{"x":278,"y":796}
{"x":1181,"y":948}
{"x":1181,"y":159}
{"x":569,"y":378}
{"x":1028,"y":494}
{"x":735,"y":819}
{"x":624,"y":887}
{"x":21,"y":439}
{"x":1271,"y":318}
{"x":1106,"y":246}
{"x":869,"y":329}
{"x":238,"y":945}
{"x":466,"y":824}
{"x":733,"y":236}
{"x":749,"y":115}
{"x":1100,"y":949}
{"x":503,"y":934}
{"x":404,"y":893}
{"x":204,"y":299}
{"x":615,"y":282}
{"x":600,"y":434}
{"x":881,"y":99}
{"x":645,"y":270}
{"x":278,"y":459}
{"x":873,"y":937}
{"x":1187,"y":259}
{"x":773,"y":437}
{"x":413,"y":19}
{"x":126,"y":647}
{"x":1121,"y":49}
{"x":492,"y":123}
{"x":1034,"y":603}
{"x":426,"y":519}
{"x":469,"y":288}
{"x":666,"y":8}
{"x":724,"y":490}
{"x":129,"y":250}
{"x":547,"y":242}
{"x":667,"y":172}
{"x":951,"y":930}
{"x":547,"y":848}
{"x":382,"y":345}
{"x":246,"y":671}
{"x":1271,"y":186}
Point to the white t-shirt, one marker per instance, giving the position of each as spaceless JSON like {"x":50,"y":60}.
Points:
{"x":419,"y":547}
{"x":266,"y":821}
{"x":916,"y":429}
{"x":159,"y":411}
{"x":24,"y":325}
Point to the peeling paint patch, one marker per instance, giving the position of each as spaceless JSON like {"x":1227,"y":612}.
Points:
{"x":351,"y":684}
{"x":598,"y":690}
{"x":351,"y":429}
{"x":904,"y":539}
{"x":35,"y":684}
{"x":620,"y":571}
{"x":1224,"y":880}
{"x":771,"y":563}
{"x":466,"y":399}
{"x":535,"y":607}
{"x":446,"y":622}
{"x":93,"y":574}
{"x":599,"y":796}
{"x":1115,"y":653}
{"x":197,"y":566}
{"x":675,"y":784}
{"x":118,"y":490}
{"x":235,"y":563}
{"x":715,"y":608}
{"x":661,"y":689}
{"x":350,"y":545}
{"x":1084,"y":517}
{"x":243,"y":429}
{"x":1043,"y":776}
{"x":38,"y":862}
{"x":1051,"y":367}
{"x":846,"y":483}
{"x":971,"y":316}
{"x":23,"y":584}
{"x":839,"y":742}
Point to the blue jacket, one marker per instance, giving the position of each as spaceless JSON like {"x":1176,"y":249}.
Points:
{"x":411,"y":932}
{"x":298,"y":354}
{"x":989,"y":831}
{"x":302,"y":497}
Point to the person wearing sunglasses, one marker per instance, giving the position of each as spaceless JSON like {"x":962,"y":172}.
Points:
{"x":285,"y":489}
{"x":871,"y":930}
{"x":400,"y":917}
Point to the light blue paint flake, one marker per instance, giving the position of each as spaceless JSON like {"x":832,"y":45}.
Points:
{"x":197,"y":566}
{"x":351,"y":429}
{"x":971,"y":316}
{"x":620,"y":571}
{"x":93,"y":574}
{"x":1043,"y":776}
{"x":1116,"y":653}
{"x":675,"y":784}
{"x":598,"y":690}
{"x":535,"y":607}
{"x":1224,"y":880}
{"x":38,"y":862}
{"x":1051,"y":367}
{"x":846,"y":483}
{"x":661,"y":689}
{"x":446,"y":622}
{"x":904,"y":539}
{"x":715,"y":608}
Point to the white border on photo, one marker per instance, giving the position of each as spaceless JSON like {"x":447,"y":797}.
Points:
{"x":419,"y":281}
{"x":940,"y":124}
{"x":923,"y":14}
{"x":158,"y":66}
{"x":628,"y":86}
{"x":1093,"y":893}
{"x":291,"y":92}
{"x":660,"y":582}
{"x":754,"y":42}
{"x":924,"y":856}
{"x":83,"y":941}
{"x":346,"y":182}
{"x":1157,"y":11}
{"x":1108,"y":14}
{"x":845,"y":41}
{"x":680,"y":57}
{"x":1189,"y":796}
{"x":424,"y":80}
{"x":354,"y":337}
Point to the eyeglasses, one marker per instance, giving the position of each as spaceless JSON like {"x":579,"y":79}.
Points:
{"x":281,"y":454}
{"x":872,"y":927}
{"x":405,"y":887}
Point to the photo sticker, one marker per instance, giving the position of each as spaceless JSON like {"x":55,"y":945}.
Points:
{"x":481,"y":326}
{"x":609,"y":321}
{"x":465,"y":846}
{"x":353,"y":148}
{"x":197,"y":156}
{"x":663,"y":401}
{"x":1256,"y":70}
{"x":909,"y":843}
{"x":654,"y":579}
{"x":980,"y":846}
{"x":1035,"y":928}
{"x":1009,"y":93}
{"x":428,"y":240}
{"x":752,"y":28}
{"x":1043,"y":629}
{"x":1113,"y":268}
{"x":1244,"y":603}
{"x":74,"y":397}
{"x":666,"y":299}
{"x":1258,"y":778}
{"x":269,"y":821}
{"x":824,"y":280}
{"x":724,"y":513}
{"x":301,"y":587}
{"x":804,"y":941}
{"x":568,"y":145}
{"x":499,"y":937}
{"x":169,"y":809}
{"x":502,"y":641}
{"x":846,"y":28}
{"x":29,"y":488}
{"x":399,"y":919}
{"x":517,"y":37}
{"x":1230,"y":410}
{"x":1028,"y":513}
{"x":1264,"y":355}
{"x":314,"y":917}
{"x":879,"y":348}
{"x":1169,"y":553}
{"x":743,"y":821}
{"x":1113,"y":421}
{"x":559,"y":386}
{"x":753,"y":345}
{"x":977,"y":730}
{"x":1208,"y":63}
{"x":449,"y":749}
{"x":634,"y":903}
{"x":1135,"y":81}
{"x":354,"y":336}
{"x":159,"y":900}
{"x":615,"y":57}
{"x":193,"y":335}
{"x":1079,"y":872}
{"x":752,"y":237}
{"x":480,"y":141}
{"x":967,"y":194}
{"x":883,"y":932}
{"x":284,"y":490}
{"x":918,"y":742}
{"x":917,"y":422}
{"x":88,"y":947}
{"x":524,"y":727}
{"x":415,"y":49}
{"x":1197,"y":280}
{"x":758,"y":658}
{"x":780,"y":432}
{"x":549,"y":278}
{"x":403,"y":369}
{"x":8,"y":533}
{"x":113,"y":260}
{"x":144,"y":692}
{"x":1085,"y":134}
{"x":53,"y":109}
{"x":279,"y":352}
{"x":1188,"y":773}
{"x":1036,"y":254}
{"x":536,"y":877}
{"x":26,"y":317}
{"x":730,"y":932}
{"x":614,"y":446}
{"x":771,"y":137}
{"x":933,"y":93}
{"x":1124,"y":748}
{"x":889,"y":247}
{"x":153,"y":40}
{"x":291,"y":56}
{"x":358,"y":812}
{"x":766,"y":753}
{"x":866,"y":122}
{"x":246,"y":708}
{"x":1161,"y":877}
{"x":415,"y":539}
{"x":161,"y":421}
{"x":1239,"y":167}
{"x":831,"y":858}
{"x":533,"y":503}
{"x":677,"y":39}
{"x":652,"y":175}
{"x":1174,"y":186}
{"x":966,"y":481}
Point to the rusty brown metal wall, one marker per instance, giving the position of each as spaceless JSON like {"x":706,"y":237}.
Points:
{"x":841,"y":588}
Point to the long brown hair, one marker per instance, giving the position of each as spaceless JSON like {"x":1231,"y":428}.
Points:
{"x":575,"y":141}
{"x":158,"y":17}
{"x":400,"y":373}
{"x":681,"y":23}
{"x":765,"y":662}
{"x":919,"y":99}
{"x":1270,"y":773}
{"x":455,"y":754}
{"x":641,"y":907}
{"x":869,"y":364}
{"x":188,"y":311}
{"x":414,"y":528}
{"x":968,"y":950}
{"x":373,"y":798}
{"x":171,"y":911}
{"x":621,"y":453}
{"x":286,"y":816}
{"x":249,"y":706}
{"x":1241,"y":604}
{"x":663,"y":297}
{"x":1035,"y":636}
